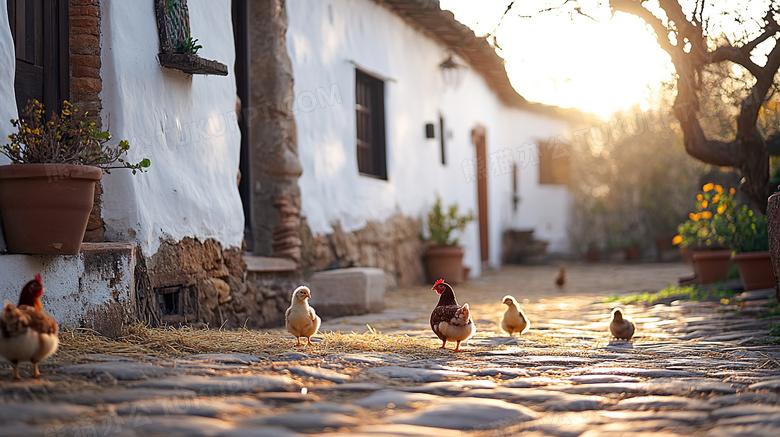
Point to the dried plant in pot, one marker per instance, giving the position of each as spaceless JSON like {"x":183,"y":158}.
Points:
{"x":443,"y":258}
{"x":47,"y":192}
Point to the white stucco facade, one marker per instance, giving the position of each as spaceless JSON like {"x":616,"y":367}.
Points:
{"x":7,"y":67}
{"x":327,"y":41}
{"x":186,"y":124}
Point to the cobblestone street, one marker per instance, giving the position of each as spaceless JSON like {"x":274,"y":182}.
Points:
{"x":693,"y":368}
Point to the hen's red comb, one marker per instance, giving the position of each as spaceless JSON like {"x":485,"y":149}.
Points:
{"x":440,"y":281}
{"x":38,"y":279}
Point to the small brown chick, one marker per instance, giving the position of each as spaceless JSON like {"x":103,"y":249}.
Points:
{"x":560,"y":280}
{"x":300,"y":319}
{"x":621,"y":328}
{"x":514,"y":319}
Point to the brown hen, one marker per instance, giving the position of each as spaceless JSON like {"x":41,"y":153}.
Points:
{"x":450,"y":321}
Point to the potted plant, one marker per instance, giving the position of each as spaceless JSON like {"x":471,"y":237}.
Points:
{"x":592,"y":252}
{"x":750,"y":243}
{"x":47,"y":192}
{"x":707,"y":232}
{"x":444,"y":257}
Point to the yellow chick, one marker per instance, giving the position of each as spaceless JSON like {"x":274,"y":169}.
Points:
{"x":621,"y":328}
{"x":300,"y":319}
{"x":514,"y":319}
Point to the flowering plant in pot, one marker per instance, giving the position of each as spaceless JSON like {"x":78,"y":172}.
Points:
{"x":750,"y":243}
{"x":47,"y":192}
{"x":444,"y":257}
{"x":708,"y":233}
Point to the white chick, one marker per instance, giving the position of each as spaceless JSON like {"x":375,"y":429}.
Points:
{"x":514,"y":319}
{"x":300,"y":319}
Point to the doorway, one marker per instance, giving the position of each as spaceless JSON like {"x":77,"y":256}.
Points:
{"x":478,"y":137}
{"x":240,"y":14}
{"x":40,"y":32}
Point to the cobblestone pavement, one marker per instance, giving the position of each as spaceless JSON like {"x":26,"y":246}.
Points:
{"x":693,"y":369}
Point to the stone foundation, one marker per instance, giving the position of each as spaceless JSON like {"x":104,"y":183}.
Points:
{"x":202,"y":283}
{"x":393,"y":246}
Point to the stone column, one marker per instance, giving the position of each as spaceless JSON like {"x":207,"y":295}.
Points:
{"x":274,"y":164}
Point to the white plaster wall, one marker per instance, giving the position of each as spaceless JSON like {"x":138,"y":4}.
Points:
{"x":185,"y":124}
{"x":544,"y":208}
{"x":7,"y":69}
{"x":7,"y":97}
{"x":326,"y":40}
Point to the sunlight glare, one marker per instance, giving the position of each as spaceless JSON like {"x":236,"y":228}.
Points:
{"x":598,"y":67}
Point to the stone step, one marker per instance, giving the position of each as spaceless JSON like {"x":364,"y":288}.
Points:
{"x":350,"y":291}
{"x":261,"y":264}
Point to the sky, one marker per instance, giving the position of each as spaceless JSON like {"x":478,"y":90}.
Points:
{"x":599,"y":67}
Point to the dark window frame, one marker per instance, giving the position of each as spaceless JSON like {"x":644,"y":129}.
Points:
{"x":370,"y":125}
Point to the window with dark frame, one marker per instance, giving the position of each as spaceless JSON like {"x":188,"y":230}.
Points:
{"x":370,"y":120}
{"x":553,"y":164}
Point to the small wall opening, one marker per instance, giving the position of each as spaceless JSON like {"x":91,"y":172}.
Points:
{"x":177,"y":304}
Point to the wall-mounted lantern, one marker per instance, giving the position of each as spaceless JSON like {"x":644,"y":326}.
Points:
{"x":451,"y":71}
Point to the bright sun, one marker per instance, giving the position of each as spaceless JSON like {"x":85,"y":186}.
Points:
{"x":598,"y":67}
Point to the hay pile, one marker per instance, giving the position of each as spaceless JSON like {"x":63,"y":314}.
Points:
{"x":169,"y":342}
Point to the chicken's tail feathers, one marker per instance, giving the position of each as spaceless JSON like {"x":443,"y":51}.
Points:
{"x":463,"y":312}
{"x":13,"y":318}
{"x":9,"y":307}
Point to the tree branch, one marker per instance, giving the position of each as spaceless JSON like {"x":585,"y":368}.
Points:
{"x":741,"y":55}
{"x":736,"y":55}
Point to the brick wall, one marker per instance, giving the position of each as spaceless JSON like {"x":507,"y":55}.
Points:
{"x":86,"y":84}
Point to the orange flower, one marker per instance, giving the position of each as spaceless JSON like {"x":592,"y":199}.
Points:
{"x":677,"y":240}
{"x":732,"y":191}
{"x":699,"y":197}
{"x":708,"y":187}
{"x":692,"y":216}
{"x":721,"y":208}
{"x":719,"y":189}
{"x":706,"y":215}
{"x":704,"y":204}
{"x":715,"y":199}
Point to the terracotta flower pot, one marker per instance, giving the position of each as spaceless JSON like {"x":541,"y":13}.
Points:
{"x":755,"y":269}
{"x":45,"y":207}
{"x":711,"y":265}
{"x":444,"y":262}
{"x":633,"y":253}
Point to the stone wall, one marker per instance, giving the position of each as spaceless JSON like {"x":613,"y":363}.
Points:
{"x":393,"y":246}
{"x":201,"y":283}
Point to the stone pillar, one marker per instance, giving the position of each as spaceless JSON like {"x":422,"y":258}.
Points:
{"x":86,"y":84}
{"x":274,"y":164}
{"x":773,"y":228}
